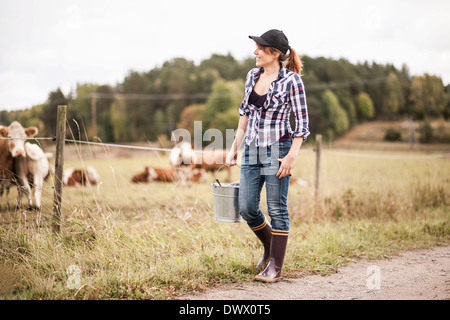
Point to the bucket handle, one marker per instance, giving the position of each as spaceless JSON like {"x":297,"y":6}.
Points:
{"x":215,"y":175}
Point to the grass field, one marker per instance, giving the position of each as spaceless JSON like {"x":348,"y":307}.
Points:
{"x":156,"y":241}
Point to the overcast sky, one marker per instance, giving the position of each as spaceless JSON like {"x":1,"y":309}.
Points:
{"x":48,"y":44}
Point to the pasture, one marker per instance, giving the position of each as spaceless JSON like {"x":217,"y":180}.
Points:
{"x":159,"y":240}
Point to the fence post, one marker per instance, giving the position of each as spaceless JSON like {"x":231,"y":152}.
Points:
{"x":59,"y":165}
{"x":318,"y":153}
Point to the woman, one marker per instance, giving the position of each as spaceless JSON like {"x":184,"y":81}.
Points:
{"x":272,"y":91}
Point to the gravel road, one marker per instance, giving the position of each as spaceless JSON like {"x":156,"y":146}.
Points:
{"x":412,"y":275}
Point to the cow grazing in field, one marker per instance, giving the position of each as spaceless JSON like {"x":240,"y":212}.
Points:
{"x":141,"y":177}
{"x":183,"y":157}
{"x":167,"y":175}
{"x":30,"y":162}
{"x":155,"y":174}
{"x":80,"y":177}
{"x":212,"y":161}
{"x":6,"y":165}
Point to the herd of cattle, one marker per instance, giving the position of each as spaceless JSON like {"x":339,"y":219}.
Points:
{"x":186,"y":166}
{"x":26,"y":166}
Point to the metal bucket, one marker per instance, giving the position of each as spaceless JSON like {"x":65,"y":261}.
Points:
{"x":226,"y":200}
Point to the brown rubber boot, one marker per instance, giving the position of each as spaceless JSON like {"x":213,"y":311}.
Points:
{"x":272,"y":272}
{"x":264,"y":233}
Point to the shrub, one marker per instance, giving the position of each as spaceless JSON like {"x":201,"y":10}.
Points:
{"x":392,"y":135}
{"x":426,"y":132}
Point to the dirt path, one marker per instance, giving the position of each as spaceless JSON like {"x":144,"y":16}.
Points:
{"x":415,"y":275}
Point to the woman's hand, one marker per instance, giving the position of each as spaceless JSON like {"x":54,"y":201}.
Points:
{"x":287,"y":163}
{"x":231,"y":158}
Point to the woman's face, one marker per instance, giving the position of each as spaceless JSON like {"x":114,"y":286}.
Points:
{"x":264,"y":58}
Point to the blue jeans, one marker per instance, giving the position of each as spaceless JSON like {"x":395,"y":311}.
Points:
{"x":260,"y":165}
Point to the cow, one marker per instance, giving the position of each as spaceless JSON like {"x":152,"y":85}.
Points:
{"x":155,"y":174}
{"x":6,"y":165}
{"x":80,"y":177}
{"x":167,"y":175}
{"x":212,"y":161}
{"x":30,"y":163}
{"x":183,"y":157}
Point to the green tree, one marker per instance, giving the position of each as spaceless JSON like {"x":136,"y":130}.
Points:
{"x":428,"y":96}
{"x":334,"y":114}
{"x":159,"y":126}
{"x":364,"y":107}
{"x":226,"y":66}
{"x":119,"y":121}
{"x":103,"y":109}
{"x":79,"y":112}
{"x":194,"y":112}
{"x":426,"y":132}
{"x":49,"y":111}
{"x":138,"y":110}
{"x":5,"y":117}
{"x":446,"y":112}
{"x":395,"y":99}
{"x":339,"y":95}
{"x":225,"y":95}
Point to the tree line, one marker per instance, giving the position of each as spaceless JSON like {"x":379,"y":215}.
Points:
{"x":151,"y":104}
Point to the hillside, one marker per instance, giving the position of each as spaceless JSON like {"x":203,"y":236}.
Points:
{"x":370,"y":135}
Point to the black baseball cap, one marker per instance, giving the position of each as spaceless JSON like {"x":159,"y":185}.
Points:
{"x":273,"y":38}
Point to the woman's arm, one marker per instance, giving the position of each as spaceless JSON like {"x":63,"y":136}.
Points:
{"x":301,"y":132}
{"x":232,"y":155}
{"x":287,"y":163}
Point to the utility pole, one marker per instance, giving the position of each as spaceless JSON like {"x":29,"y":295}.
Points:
{"x":411,"y":132}
{"x":94,"y":115}
{"x":94,"y":120}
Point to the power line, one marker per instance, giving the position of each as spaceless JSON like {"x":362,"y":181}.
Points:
{"x":159,"y":96}
{"x":350,"y":154}
{"x":180,"y":96}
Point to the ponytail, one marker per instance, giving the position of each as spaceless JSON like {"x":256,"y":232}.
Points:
{"x":293,"y":62}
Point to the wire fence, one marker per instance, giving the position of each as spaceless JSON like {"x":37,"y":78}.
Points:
{"x":328,"y":151}
{"x":61,"y":140}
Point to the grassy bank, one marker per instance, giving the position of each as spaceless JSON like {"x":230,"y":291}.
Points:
{"x":156,"y":241}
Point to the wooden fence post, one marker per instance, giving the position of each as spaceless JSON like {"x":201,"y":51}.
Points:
{"x":59,"y":165}
{"x":318,"y":153}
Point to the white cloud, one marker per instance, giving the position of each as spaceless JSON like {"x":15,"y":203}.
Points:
{"x":23,"y":90}
{"x":50,"y":44}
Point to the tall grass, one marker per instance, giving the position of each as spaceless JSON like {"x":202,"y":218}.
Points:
{"x":156,"y":241}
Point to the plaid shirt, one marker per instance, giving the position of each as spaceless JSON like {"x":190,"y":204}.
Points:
{"x":268,"y":124}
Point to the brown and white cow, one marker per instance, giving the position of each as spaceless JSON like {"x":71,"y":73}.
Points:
{"x":167,"y":175}
{"x":6,"y":165}
{"x":30,"y":162}
{"x":183,"y":157}
{"x":212,"y":161}
{"x":155,"y":174}
{"x":81,"y":177}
